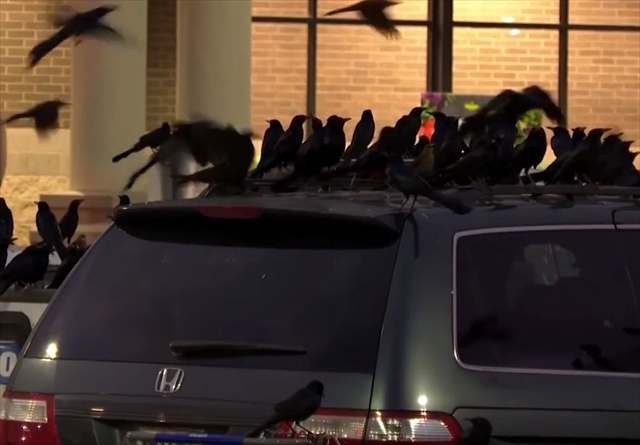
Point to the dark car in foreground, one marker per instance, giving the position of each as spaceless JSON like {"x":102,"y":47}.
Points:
{"x":201,"y":314}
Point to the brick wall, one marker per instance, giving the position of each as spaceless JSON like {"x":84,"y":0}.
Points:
{"x":358,"y":69}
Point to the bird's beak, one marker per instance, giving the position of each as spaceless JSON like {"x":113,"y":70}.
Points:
{"x":36,"y":202}
{"x":346,"y":119}
{"x":267,"y":122}
{"x":604,"y":130}
{"x":551,"y":128}
{"x":616,"y":135}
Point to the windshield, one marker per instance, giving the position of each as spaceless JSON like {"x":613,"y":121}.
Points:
{"x":141,"y":288}
{"x":553,"y":300}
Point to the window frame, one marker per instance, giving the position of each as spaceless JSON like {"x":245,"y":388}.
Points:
{"x":439,"y":22}
{"x":454,"y":294}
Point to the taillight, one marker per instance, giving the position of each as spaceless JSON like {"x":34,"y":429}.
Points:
{"x":231,"y":212}
{"x":27,"y":419}
{"x":429,"y":428}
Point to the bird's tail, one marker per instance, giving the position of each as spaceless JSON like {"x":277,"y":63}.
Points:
{"x":16,"y":117}
{"x":182,"y":179}
{"x":61,"y":249}
{"x":258,"y":430}
{"x":282,"y":183}
{"x":4,"y":286}
{"x":136,"y":148}
{"x":352,"y":8}
{"x":453,"y":204}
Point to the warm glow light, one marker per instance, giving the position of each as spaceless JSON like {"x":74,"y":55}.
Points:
{"x":508,"y":19}
{"x":52,"y":351}
{"x":422,"y":400}
{"x":514,"y":32}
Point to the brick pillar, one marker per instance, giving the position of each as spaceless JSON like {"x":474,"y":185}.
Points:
{"x":214,"y":63}
{"x":108,"y":112}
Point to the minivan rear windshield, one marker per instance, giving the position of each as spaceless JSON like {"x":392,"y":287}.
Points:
{"x":565,"y":300}
{"x":300,"y":285}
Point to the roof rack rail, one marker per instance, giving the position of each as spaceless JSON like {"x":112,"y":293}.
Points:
{"x":559,"y":189}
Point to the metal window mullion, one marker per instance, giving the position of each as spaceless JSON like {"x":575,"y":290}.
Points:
{"x":563,"y":57}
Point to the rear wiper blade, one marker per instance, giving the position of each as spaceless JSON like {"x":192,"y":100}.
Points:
{"x":221,"y":349}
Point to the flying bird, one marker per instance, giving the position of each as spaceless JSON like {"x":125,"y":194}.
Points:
{"x":152,"y":139}
{"x":45,"y":115}
{"x":71,"y":24}
{"x":373,"y":13}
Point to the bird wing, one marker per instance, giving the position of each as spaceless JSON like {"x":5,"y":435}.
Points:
{"x":356,"y":7}
{"x":380,"y":22}
{"x":44,"y":47}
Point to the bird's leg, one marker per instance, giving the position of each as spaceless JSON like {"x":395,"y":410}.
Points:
{"x":413,"y":204}
{"x":303,"y":428}
{"x":353,"y":180}
{"x":404,"y":202}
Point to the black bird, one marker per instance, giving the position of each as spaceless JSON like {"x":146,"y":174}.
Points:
{"x":239,"y":153}
{"x":373,"y":13}
{"x":530,"y":152}
{"x":6,"y":221}
{"x":478,"y":434}
{"x":286,"y":148}
{"x":507,"y":108}
{"x":403,"y":178}
{"x":580,"y":158}
{"x":373,"y":163}
{"x":407,"y":129}
{"x":29,"y":266}
{"x":560,"y":141}
{"x":4,"y":250}
{"x":48,"y":228}
{"x":123,"y":200}
{"x":193,"y":137}
{"x":271,"y":137}
{"x":297,"y":408}
{"x":45,"y":115}
{"x":334,"y":140}
{"x":578,"y":134}
{"x":75,"y":251}
{"x":362,"y":136}
{"x":153,"y":139}
{"x":452,"y":145}
{"x":478,"y":162}
{"x":71,"y":24}
{"x":69,"y":222}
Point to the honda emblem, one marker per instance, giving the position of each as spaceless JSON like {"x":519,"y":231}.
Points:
{"x":169,"y":380}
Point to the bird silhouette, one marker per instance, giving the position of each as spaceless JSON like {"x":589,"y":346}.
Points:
{"x":75,"y":251}
{"x":403,"y":178}
{"x":285,"y":150}
{"x":45,"y":115}
{"x":48,"y":228}
{"x":297,"y":408}
{"x":362,"y":136}
{"x":76,"y":25}
{"x":69,"y":222}
{"x":153,"y":139}
{"x":28,"y":267}
{"x":373,"y":13}
{"x":270,"y":138}
{"x":6,"y":220}
{"x":560,"y":141}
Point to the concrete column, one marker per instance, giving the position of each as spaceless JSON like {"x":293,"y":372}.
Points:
{"x":108,"y":100}
{"x":108,"y":110}
{"x":214,"y":64}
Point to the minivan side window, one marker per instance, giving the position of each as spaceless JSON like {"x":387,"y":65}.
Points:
{"x":566,"y":300}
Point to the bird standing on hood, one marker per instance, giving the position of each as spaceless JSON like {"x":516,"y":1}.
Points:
{"x":69,"y":221}
{"x":270,"y":138}
{"x":560,"y":141}
{"x":362,"y":136}
{"x":76,"y":25}
{"x":45,"y":115}
{"x":373,"y":13}
{"x":48,"y":228}
{"x":29,"y":266}
{"x":297,"y":408}
{"x":6,"y":220}
{"x":286,"y":148}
